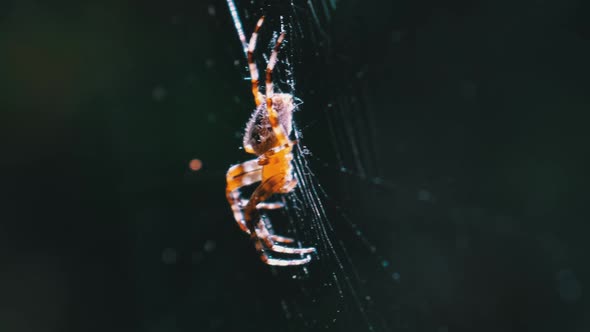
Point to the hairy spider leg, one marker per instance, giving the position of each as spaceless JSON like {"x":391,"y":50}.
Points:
{"x":264,"y":235}
{"x":254,"y":72}
{"x":252,"y":65}
{"x":238,"y":176}
{"x":274,"y":184}
{"x":242,"y":175}
{"x":246,"y":174}
{"x":273,"y":117}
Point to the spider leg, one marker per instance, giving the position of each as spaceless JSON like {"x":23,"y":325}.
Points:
{"x":289,"y":186}
{"x":265,"y":205}
{"x":279,"y":261}
{"x":264,"y":235}
{"x":261,"y":193}
{"x":267,"y":225}
{"x":272,"y":113}
{"x":260,"y":235}
{"x":238,"y":176}
{"x":283,"y":239}
{"x":241,"y":175}
{"x":252,"y":64}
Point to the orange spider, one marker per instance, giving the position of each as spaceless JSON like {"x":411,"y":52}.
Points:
{"x":267,"y":136}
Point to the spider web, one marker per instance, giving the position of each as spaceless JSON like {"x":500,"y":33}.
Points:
{"x":335,"y":291}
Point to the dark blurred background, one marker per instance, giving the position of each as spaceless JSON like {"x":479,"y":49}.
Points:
{"x":458,"y":146}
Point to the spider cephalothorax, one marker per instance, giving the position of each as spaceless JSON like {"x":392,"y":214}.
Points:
{"x":267,"y":137}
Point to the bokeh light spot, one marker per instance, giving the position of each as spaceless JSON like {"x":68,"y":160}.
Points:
{"x":169,"y":256}
{"x":195,"y":164}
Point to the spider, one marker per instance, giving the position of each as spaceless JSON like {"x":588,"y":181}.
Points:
{"x":267,"y":137}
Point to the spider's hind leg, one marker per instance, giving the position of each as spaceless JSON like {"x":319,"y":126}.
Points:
{"x":268,"y":239}
{"x":266,"y":226}
{"x":242,"y":175}
{"x":285,"y":262}
{"x":263,"y":239}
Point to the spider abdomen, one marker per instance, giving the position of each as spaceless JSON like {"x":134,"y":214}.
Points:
{"x":259,"y":133}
